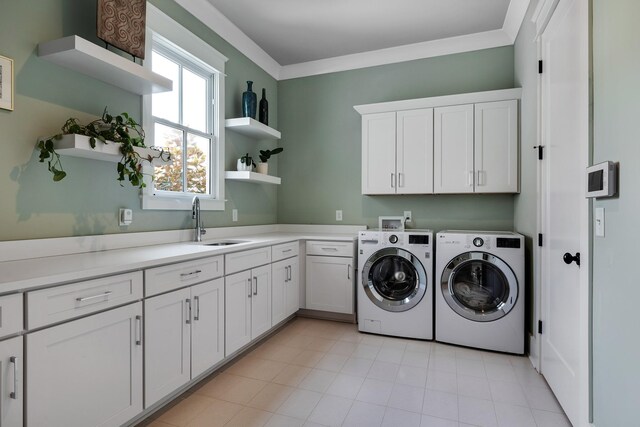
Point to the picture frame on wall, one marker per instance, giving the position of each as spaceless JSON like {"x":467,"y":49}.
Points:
{"x":6,"y":83}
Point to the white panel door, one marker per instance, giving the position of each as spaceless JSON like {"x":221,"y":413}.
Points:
{"x":237,"y":313}
{"x":496,"y":147}
{"x":11,"y":369}
{"x":565,"y":219}
{"x":87,"y":372}
{"x":279,"y":282}
{"x":379,"y":153}
{"x":167,"y":332}
{"x":415,"y":151}
{"x":292,"y":287}
{"x":453,"y":169}
{"x":207,"y":329}
{"x":329,"y":284}
{"x":260,"y":300}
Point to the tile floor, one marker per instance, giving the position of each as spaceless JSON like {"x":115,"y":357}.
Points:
{"x":321,"y":373}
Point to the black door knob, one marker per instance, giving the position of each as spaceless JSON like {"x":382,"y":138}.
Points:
{"x":568,"y":258}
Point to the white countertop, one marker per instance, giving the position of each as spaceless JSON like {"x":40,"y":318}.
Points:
{"x":19,"y":275}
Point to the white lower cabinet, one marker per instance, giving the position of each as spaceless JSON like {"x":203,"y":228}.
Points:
{"x":248,"y":306}
{"x":285,"y":289}
{"x":330,"y":284}
{"x":184,"y":336}
{"x":87,"y":372}
{"x":11,"y":364}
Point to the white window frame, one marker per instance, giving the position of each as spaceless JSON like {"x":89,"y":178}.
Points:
{"x":162,"y":28}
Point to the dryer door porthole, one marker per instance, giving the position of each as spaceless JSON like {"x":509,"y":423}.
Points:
{"x":479,"y":286}
{"x":394,"y":279}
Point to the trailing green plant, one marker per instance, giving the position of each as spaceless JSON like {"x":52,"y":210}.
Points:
{"x":247,"y":160}
{"x":121,"y":129}
{"x":266,"y":154}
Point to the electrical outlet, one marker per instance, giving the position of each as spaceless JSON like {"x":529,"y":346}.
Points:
{"x":598,"y":218}
{"x":125,"y":217}
{"x":234,"y":215}
{"x":407,"y":216}
{"x":338,"y":215}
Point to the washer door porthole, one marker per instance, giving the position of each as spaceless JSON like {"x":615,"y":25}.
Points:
{"x":394,"y":279}
{"x":479,"y":286}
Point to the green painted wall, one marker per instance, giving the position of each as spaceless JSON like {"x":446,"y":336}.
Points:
{"x":321,"y":165}
{"x":616,"y":137}
{"x":525,"y":203}
{"x":87,"y":201}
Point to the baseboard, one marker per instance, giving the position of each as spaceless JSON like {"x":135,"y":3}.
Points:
{"x":324,"y":315}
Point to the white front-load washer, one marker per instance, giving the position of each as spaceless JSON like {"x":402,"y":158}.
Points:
{"x":480,"y":290}
{"x":395,"y":289}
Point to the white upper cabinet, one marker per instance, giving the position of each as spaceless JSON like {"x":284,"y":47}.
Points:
{"x":397,"y":152}
{"x":496,"y":147}
{"x":453,"y":149}
{"x":466,"y":143}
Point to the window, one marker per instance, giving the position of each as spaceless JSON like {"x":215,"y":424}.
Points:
{"x":186,"y":121}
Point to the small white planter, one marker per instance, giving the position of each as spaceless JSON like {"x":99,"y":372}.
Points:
{"x":263,"y":168}
{"x":243,"y":167}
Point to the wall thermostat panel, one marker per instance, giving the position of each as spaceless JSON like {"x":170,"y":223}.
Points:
{"x":602,"y":180}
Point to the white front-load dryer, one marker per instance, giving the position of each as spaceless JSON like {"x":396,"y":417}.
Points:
{"x":395,"y":289}
{"x":480,"y":290}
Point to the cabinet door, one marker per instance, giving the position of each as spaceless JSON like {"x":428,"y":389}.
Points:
{"x":167,"y":344}
{"x":379,"y":153}
{"x":260,"y":301}
{"x":415,"y":151}
{"x":496,"y":147}
{"x":279,"y":282}
{"x":237,"y":294}
{"x":11,"y":368}
{"x":453,"y":169}
{"x":330,"y":285}
{"x":87,"y":372}
{"x":207,"y":329}
{"x":292,"y":287}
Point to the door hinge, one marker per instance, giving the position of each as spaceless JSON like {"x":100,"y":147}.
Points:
{"x":540,"y":66}
{"x":539,"y":326}
{"x":539,"y":239}
{"x":540,"y":151}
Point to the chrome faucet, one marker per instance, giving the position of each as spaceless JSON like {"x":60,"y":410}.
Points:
{"x":195,"y":214}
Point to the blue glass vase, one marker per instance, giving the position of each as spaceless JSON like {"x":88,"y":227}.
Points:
{"x":249,"y":102}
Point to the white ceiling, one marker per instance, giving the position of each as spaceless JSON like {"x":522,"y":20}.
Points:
{"x":292,"y":38}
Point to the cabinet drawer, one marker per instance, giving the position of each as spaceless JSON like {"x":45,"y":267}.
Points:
{"x":10,"y":314}
{"x":163,"y":279}
{"x":318,"y":247}
{"x":60,"y":303}
{"x":245,"y":260}
{"x":286,"y":250}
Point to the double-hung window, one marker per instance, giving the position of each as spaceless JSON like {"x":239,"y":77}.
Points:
{"x":187,"y":121}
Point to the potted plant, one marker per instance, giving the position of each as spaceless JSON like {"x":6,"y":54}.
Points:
{"x":122,"y":130}
{"x":265,"y":155}
{"x":245,"y":163}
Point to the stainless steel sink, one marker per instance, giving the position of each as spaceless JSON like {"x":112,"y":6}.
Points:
{"x":225,"y":243}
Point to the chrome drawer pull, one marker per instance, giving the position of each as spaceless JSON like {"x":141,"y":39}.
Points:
{"x":197,"y":315}
{"x":188,"y":310}
{"x":285,"y":251}
{"x":105,"y":294}
{"x":138,"y":330}
{"x":330,"y":249}
{"x":255,"y":280}
{"x":249,"y":281}
{"x":14,"y":393}
{"x":189,"y":274}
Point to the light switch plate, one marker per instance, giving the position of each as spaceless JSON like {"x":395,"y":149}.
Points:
{"x":598,"y":222}
{"x":338,"y":215}
{"x":125,"y":217}
{"x":234,"y":215}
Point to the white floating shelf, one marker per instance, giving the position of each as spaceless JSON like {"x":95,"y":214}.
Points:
{"x":252,"y":128}
{"x":79,"y":146}
{"x":258,"y":178}
{"x":80,"y":55}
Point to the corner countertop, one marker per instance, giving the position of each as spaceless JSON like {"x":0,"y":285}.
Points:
{"x":33,"y":273}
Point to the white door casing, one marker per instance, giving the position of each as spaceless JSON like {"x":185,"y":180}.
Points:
{"x":564,"y":289}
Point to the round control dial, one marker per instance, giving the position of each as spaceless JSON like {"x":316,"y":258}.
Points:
{"x":393,"y":239}
{"x":477,"y":242}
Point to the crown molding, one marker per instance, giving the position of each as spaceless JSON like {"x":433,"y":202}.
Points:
{"x":217,"y":22}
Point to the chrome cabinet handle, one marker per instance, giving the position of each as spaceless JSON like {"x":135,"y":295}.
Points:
{"x":197,"y":315}
{"x":255,"y":284}
{"x":286,"y":250}
{"x":138,"y":330}
{"x":16,"y":371}
{"x":190,"y":274}
{"x":349,"y":271}
{"x":470,"y":178}
{"x":102,"y":295}
{"x":393,"y":180}
{"x":330,"y":249}
{"x":400,"y":180}
{"x":290,"y":273}
{"x":286,"y":273}
{"x":188,"y":305}
{"x":249,"y":281}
